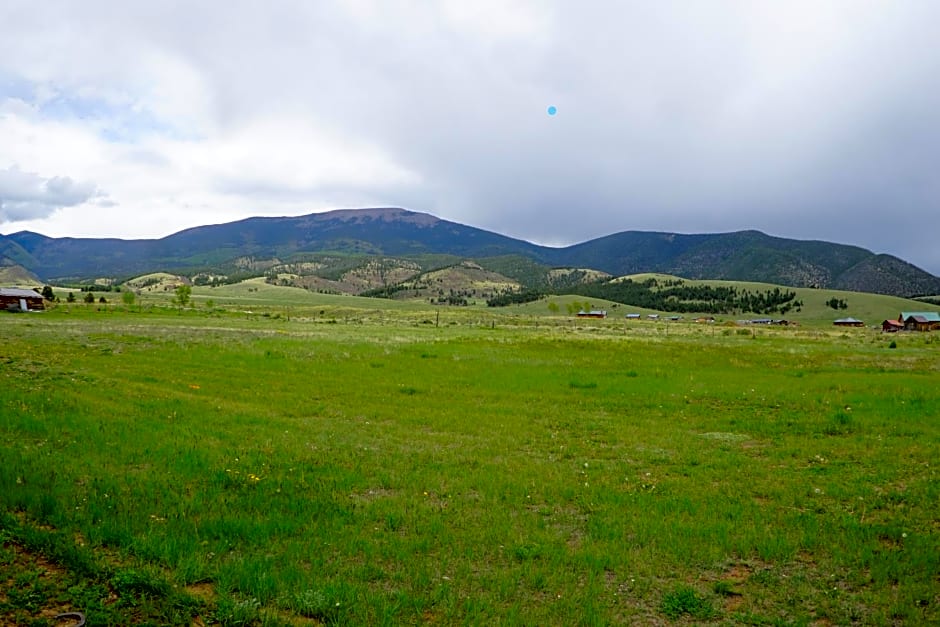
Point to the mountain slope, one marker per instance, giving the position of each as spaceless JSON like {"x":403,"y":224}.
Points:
{"x":751,"y":256}
{"x":744,"y":255}
{"x":895,"y":276}
{"x":393,"y":232}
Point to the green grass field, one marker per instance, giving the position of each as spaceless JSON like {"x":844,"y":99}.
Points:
{"x":316,"y":462}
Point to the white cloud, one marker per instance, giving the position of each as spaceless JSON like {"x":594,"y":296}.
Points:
{"x":28,"y":196}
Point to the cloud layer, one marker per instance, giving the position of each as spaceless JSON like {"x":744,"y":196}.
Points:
{"x":804,"y":119}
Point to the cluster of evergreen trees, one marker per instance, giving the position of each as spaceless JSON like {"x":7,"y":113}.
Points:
{"x":683,"y":298}
{"x":386,"y":291}
{"x":505,"y":299}
{"x":672,"y":296}
{"x":100,"y":288}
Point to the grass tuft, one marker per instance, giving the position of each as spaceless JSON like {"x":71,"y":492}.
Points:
{"x":582,"y":385}
{"x":685,"y":600}
{"x":725,"y":589}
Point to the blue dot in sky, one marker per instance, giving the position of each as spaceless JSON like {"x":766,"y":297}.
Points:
{"x":552,"y":110}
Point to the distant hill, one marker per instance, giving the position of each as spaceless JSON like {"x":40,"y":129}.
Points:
{"x":753,"y":256}
{"x":460,"y":284}
{"x":260,"y":244}
{"x":18,"y":276}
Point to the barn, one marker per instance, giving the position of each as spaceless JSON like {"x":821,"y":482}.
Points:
{"x":18,"y":299}
{"x":892,"y":326}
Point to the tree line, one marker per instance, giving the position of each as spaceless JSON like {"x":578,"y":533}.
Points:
{"x":683,"y":298}
{"x":671,"y":296}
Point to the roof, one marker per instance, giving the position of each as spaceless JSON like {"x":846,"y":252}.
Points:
{"x":848,"y":321}
{"x":928,"y":316}
{"x":17,"y":292}
{"x":892,"y":323}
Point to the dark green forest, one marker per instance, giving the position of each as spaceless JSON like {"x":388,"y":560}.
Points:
{"x":671,"y":296}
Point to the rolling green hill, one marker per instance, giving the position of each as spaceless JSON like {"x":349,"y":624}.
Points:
{"x":870,"y":308}
{"x":434,"y":287}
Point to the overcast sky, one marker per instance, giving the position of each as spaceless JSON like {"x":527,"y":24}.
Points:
{"x":813,"y":120}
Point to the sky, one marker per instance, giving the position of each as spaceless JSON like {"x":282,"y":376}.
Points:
{"x":809,"y":119}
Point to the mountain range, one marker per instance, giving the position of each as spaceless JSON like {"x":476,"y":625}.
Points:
{"x":404,"y":234}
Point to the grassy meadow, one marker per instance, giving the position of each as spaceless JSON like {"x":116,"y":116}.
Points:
{"x":330,"y":464}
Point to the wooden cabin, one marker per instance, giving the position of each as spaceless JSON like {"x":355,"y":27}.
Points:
{"x":892,"y":326}
{"x":920,"y":320}
{"x":18,"y":299}
{"x":848,"y":322}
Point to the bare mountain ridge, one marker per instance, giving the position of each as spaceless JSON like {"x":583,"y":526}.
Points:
{"x":395,"y":232}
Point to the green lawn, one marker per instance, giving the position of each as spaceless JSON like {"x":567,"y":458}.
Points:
{"x":390,"y":467}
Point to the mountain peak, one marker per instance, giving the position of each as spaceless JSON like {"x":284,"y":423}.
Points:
{"x":383,"y":214}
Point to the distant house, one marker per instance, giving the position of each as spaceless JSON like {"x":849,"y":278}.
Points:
{"x":675,"y":318}
{"x":892,"y":326}
{"x":848,"y":322}
{"x":594,"y":313}
{"x":653,"y":316}
{"x":17,"y":299}
{"x":633,"y":316}
{"x":702,"y":319}
{"x":920,"y":320}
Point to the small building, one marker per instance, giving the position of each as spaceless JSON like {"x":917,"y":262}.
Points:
{"x":18,"y":299}
{"x":848,"y":322}
{"x":892,"y":326}
{"x":653,"y":316}
{"x":633,"y":316}
{"x":594,"y":313}
{"x":704,"y":319}
{"x":920,"y":320}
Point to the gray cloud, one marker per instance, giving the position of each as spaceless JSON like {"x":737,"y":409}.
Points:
{"x":28,"y":196}
{"x":803,"y":119}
